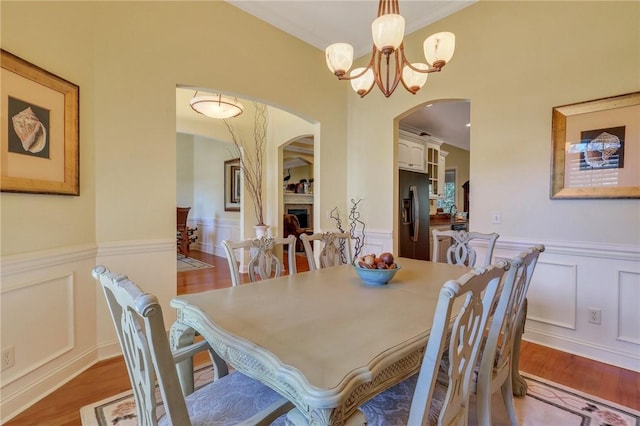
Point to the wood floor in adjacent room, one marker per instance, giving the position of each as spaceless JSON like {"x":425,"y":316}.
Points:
{"x":109,"y":377}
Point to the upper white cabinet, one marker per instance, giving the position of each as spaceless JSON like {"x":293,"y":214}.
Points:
{"x":411,"y":155}
{"x":423,"y":154}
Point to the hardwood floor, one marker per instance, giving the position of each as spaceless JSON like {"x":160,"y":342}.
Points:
{"x":109,"y":377}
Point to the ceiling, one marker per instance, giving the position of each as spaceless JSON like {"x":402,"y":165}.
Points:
{"x":321,"y":23}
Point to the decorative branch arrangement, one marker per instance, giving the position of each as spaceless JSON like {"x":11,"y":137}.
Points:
{"x":354,"y":222}
{"x":252,"y":165}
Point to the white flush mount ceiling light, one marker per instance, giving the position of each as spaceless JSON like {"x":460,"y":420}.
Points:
{"x":388,"y":65}
{"x":216,"y":106}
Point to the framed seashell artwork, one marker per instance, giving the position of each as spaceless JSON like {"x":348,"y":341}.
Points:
{"x":595,"y":148}
{"x":40,"y":132}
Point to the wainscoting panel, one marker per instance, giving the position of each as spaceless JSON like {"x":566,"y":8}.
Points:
{"x":211,"y":233}
{"x":49,"y":323}
{"x":47,"y":301}
{"x":553,"y":294}
{"x":629,"y":307}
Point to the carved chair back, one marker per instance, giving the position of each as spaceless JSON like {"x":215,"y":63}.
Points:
{"x":461,"y":252}
{"x":264,"y":261}
{"x":459,"y":321}
{"x":335,"y":249}
{"x":495,"y":365}
{"x":138,"y":320}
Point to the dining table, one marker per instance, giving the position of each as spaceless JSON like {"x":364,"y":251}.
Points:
{"x":323,"y":339}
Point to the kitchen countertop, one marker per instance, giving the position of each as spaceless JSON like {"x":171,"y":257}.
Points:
{"x":443,"y":219}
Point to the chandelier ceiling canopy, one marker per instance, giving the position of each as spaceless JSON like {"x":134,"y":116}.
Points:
{"x":388,"y":65}
{"x":216,"y":106}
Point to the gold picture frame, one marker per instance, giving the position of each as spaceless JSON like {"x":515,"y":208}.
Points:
{"x":596,"y":149}
{"x":232,"y":185}
{"x":39,"y":146}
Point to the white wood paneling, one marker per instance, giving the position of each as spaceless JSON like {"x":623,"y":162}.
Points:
{"x":628,"y":307}
{"x":553,"y":293}
{"x":50,"y":322}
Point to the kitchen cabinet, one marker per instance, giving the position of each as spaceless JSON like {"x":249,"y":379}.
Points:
{"x":423,"y":154}
{"x":435,"y":167}
{"x":411,"y":154}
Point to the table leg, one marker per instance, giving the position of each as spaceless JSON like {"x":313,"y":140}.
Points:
{"x":518,"y":383}
{"x":181,"y":336}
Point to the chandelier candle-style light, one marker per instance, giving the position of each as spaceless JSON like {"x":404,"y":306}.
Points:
{"x":388,"y":31}
{"x":216,"y":106}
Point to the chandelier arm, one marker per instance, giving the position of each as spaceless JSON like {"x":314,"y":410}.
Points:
{"x":387,"y":89}
{"x":369,"y":66}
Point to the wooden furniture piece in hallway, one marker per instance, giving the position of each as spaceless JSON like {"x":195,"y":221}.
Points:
{"x":185,"y":235}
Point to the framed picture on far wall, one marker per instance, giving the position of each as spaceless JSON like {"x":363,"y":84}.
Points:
{"x":232,"y":185}
{"x":40,"y":130}
{"x":596,"y":149}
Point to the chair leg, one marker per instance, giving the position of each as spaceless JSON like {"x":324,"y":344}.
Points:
{"x":483,"y":403}
{"x":507,"y":397}
{"x":519,"y":385}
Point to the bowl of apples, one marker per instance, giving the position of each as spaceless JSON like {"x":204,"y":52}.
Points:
{"x":376,"y":270}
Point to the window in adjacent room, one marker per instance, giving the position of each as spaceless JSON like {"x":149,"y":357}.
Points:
{"x":449,"y":197}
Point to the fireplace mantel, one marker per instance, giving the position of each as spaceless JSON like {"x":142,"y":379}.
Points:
{"x":291,"y":198}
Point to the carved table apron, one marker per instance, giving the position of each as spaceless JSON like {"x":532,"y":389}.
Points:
{"x":321,"y":338}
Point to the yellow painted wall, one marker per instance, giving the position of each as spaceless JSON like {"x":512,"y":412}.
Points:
{"x":514,"y":61}
{"x":127,"y":58}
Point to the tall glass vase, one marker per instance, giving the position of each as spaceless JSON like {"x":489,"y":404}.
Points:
{"x":261,"y":230}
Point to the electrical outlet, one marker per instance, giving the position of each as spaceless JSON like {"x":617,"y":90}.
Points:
{"x":595,"y":316}
{"x":8,"y":358}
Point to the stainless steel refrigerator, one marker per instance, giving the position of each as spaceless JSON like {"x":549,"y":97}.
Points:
{"x":414,"y":215}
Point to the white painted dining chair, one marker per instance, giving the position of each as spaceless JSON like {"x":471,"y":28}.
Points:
{"x":230,"y":399}
{"x":495,"y":367}
{"x":461,"y":252}
{"x":263,"y":263}
{"x":420,"y":399}
{"x":335,"y":249}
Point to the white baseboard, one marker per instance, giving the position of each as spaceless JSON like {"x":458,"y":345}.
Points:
{"x":18,"y":401}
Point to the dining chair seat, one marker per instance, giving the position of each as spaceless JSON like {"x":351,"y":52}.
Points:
{"x":229,"y":400}
{"x":392,"y":407}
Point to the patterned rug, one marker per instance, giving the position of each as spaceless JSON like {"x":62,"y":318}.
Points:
{"x":546,"y":404}
{"x":190,"y":264}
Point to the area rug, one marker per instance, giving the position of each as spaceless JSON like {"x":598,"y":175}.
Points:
{"x":189,"y":264}
{"x":546,"y":404}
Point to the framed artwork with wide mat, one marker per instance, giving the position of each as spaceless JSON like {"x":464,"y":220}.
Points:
{"x":596,"y":148}
{"x":40,"y":131}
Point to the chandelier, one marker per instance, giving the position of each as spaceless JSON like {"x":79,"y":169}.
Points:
{"x":388,"y":65}
{"x":216,"y":106}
